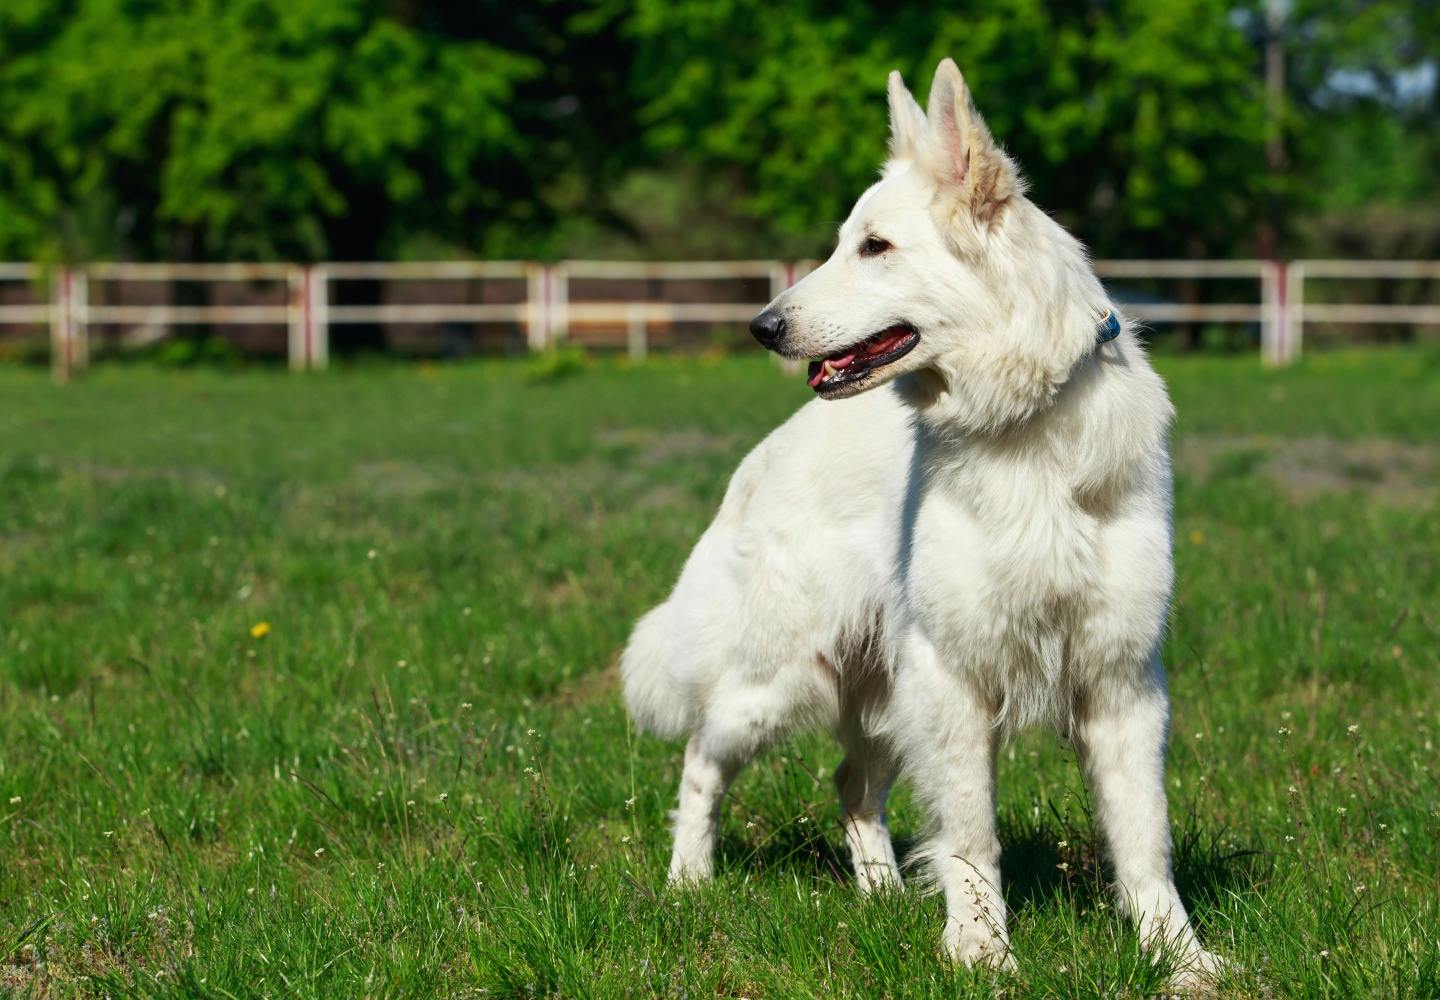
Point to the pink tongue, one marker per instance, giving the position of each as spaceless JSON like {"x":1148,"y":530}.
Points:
{"x":844,"y":362}
{"x":887,"y":344}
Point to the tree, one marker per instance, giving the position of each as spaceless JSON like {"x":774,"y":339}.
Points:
{"x":250,"y":128}
{"x":1140,"y":124}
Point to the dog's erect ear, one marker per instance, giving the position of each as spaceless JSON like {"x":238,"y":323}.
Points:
{"x":960,"y":151}
{"x":907,"y":121}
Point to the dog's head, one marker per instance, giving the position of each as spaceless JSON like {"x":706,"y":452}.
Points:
{"x":944,"y":272}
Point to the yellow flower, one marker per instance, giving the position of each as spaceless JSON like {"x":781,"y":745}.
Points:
{"x":1197,"y":537}
{"x":260,"y":630}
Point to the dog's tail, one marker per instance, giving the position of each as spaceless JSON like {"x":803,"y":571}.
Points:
{"x":652,"y":692}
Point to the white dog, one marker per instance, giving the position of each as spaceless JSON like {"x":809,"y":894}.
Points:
{"x":978,"y":541}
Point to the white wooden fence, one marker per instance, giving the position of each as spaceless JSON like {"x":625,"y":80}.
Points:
{"x":544,"y":308}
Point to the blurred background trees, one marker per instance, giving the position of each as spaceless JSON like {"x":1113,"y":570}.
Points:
{"x":307,"y":129}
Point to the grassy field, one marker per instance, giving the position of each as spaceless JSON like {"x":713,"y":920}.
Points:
{"x":307,"y":688}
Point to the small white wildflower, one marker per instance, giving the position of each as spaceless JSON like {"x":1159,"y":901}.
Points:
{"x":465,"y":706}
{"x":319,"y":851}
{"x":1283,"y":731}
{"x":108,"y":833}
{"x":625,"y":839}
{"x":444,"y":796}
{"x":1341,"y":810}
{"x":630,"y":803}
{"x":14,"y":800}
{"x":1063,"y":844}
{"x":1353,"y":728}
{"x":371,"y":554}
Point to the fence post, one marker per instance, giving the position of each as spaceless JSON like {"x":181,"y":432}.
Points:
{"x":1295,"y":309}
{"x":537,"y":302}
{"x":1272,"y":312}
{"x":559,"y":303}
{"x":317,"y":303}
{"x":782,"y":276}
{"x":297,"y":325}
{"x":635,"y":339}
{"x":69,"y":350}
{"x":80,"y":318}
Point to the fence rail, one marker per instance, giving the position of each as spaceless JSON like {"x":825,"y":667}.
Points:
{"x":306,"y":302}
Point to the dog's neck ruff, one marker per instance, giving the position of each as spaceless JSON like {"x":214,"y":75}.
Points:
{"x":1108,"y":328}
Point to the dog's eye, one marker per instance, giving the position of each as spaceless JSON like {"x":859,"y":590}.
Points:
{"x":873,"y":246}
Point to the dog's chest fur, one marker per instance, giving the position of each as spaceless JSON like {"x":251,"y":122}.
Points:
{"x":1008,"y":558}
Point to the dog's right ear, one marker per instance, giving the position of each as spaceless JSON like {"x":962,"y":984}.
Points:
{"x":907,"y":121}
{"x":960,"y":152}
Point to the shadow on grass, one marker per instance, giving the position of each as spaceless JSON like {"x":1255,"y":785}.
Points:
{"x":1041,"y":862}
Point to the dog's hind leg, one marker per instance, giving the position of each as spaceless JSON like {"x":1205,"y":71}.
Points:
{"x":708,"y":773}
{"x":1120,"y":738}
{"x":739,"y":720}
{"x":863,"y":780}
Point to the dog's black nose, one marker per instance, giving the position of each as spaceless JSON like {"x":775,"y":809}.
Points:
{"x":768,"y":327}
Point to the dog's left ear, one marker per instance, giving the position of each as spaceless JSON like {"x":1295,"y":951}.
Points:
{"x":960,"y":152}
{"x":907,"y":121}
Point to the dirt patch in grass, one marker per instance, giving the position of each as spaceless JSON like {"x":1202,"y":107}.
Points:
{"x":589,"y":688}
{"x":655,"y":447}
{"x":1384,"y":469}
{"x":399,"y":478}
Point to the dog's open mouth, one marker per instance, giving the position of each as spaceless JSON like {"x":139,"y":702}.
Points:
{"x":845,"y":368}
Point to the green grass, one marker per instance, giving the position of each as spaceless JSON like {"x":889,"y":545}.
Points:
{"x":421,"y":782}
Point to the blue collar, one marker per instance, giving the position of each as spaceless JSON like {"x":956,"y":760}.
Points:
{"x":1108,"y":328}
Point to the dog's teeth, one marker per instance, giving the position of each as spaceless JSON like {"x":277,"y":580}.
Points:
{"x":826,"y":369}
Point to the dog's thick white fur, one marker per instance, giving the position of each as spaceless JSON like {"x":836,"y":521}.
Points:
{"x":979,"y":543}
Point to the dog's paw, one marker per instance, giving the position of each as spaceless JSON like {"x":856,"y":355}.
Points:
{"x":978,"y":946}
{"x":688,"y":873}
{"x":1198,"y":975}
{"x":878,"y":877}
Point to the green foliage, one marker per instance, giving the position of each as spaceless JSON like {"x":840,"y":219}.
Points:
{"x":556,"y":364}
{"x":420,"y":781}
{"x":249,"y":128}
{"x":186,"y":352}
{"x":1115,"y":113}
{"x":303,"y":129}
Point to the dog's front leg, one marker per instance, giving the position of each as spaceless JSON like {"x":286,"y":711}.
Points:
{"x":948,"y":746}
{"x":1121,"y":737}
